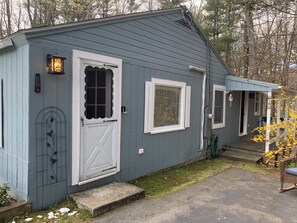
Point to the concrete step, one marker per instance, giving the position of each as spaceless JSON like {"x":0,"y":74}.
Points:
{"x":238,"y":156}
{"x":106,"y":198}
{"x":244,"y":150}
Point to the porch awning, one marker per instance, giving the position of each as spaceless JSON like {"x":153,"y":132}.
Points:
{"x":242,"y":84}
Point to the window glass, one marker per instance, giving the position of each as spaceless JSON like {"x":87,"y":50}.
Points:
{"x":257,"y":103}
{"x":219,"y":106}
{"x":167,"y":106}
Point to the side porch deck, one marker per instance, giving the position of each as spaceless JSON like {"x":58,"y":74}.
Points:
{"x":244,"y":149}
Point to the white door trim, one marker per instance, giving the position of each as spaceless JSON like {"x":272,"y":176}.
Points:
{"x":76,"y":139}
{"x":246,"y":112}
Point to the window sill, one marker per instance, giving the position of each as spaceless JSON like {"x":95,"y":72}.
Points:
{"x":166,"y":129}
{"x":218,"y":126}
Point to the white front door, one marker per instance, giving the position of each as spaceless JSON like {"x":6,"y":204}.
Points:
{"x":99,"y":80}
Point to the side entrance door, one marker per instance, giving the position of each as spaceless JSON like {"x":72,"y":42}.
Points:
{"x":99,"y":116}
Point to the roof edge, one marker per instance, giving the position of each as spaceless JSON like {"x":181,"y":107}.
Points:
{"x":234,"y":83}
{"x":4,"y":43}
{"x":31,"y":31}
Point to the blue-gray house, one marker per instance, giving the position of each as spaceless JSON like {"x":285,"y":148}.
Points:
{"x":136,"y":94}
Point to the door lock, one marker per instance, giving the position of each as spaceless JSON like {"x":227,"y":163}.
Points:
{"x":82,"y":121}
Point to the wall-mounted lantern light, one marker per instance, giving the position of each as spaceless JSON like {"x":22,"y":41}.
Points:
{"x":55,"y":64}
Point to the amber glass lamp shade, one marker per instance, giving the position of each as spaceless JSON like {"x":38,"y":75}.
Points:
{"x":55,"y":64}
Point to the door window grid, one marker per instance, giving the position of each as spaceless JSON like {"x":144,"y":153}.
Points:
{"x":98,"y":92}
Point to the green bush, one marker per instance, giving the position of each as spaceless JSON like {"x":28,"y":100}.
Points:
{"x":5,"y":197}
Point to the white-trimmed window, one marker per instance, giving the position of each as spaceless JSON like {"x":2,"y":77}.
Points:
{"x":167,"y":106}
{"x":218,"y":106}
{"x":257,"y":103}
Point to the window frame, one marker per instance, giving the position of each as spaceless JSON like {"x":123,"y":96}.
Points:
{"x":222,"y":89}
{"x":264,"y":105}
{"x":259,"y":101}
{"x":184,"y":107}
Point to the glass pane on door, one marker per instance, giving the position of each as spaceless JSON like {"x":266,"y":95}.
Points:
{"x":98,"y":93}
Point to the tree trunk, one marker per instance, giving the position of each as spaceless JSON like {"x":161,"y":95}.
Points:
{"x":246,"y":51}
{"x":8,"y":16}
{"x":252,"y":57}
{"x":229,"y":27}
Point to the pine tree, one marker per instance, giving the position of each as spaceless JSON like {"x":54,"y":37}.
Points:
{"x":219,"y":24}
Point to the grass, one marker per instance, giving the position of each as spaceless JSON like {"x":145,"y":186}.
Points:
{"x":177,"y":178}
{"x":155,"y":185}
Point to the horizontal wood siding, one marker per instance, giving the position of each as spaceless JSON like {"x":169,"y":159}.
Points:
{"x":14,"y":155}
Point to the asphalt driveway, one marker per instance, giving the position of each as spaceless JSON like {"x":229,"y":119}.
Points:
{"x":235,"y":195}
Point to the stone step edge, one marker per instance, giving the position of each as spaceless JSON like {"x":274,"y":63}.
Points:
{"x":239,"y":157}
{"x":119,"y":203}
{"x":226,"y":147}
{"x":245,"y":151}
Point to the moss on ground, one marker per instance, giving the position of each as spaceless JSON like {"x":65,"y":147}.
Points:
{"x":155,"y":185}
{"x":177,"y":178}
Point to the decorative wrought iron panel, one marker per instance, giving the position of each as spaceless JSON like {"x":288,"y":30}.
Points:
{"x":51,"y":157}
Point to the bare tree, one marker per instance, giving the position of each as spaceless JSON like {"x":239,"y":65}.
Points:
{"x":125,"y":6}
{"x":42,"y":12}
{"x":250,"y":39}
{"x":8,"y":16}
{"x":2,"y":29}
{"x":78,"y":10}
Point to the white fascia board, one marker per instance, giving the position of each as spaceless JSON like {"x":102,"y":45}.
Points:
{"x":4,"y":43}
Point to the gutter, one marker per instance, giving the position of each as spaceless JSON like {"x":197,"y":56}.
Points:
{"x":203,"y":72}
